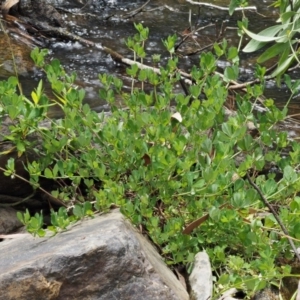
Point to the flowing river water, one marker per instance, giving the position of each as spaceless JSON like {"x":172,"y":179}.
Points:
{"x":163,"y":17}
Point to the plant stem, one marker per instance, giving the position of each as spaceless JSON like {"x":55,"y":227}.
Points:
{"x":276,"y":216}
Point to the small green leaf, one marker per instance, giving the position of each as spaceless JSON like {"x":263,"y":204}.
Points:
{"x":48,"y":173}
{"x":286,"y":16}
{"x":232,"y":6}
{"x":41,"y":232}
{"x":232,"y":53}
{"x":78,"y":211}
{"x":296,"y":231}
{"x":13,"y":81}
{"x":34,"y":97}
{"x":289,"y":174}
{"x":231,"y":73}
{"x":199,"y":184}
{"x":21,"y":217}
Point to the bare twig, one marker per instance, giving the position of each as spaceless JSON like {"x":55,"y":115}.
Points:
{"x":221,"y":33}
{"x":134,"y":12}
{"x":190,"y":34}
{"x":266,"y":202}
{"x":221,"y":7}
{"x":201,"y":49}
{"x":238,"y":86}
{"x":50,"y":198}
{"x":16,"y":200}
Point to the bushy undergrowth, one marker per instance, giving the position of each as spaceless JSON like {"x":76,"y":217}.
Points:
{"x":167,"y":159}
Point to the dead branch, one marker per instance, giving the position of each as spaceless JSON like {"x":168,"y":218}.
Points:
{"x":134,"y":12}
{"x":13,"y":201}
{"x":190,"y":34}
{"x":120,"y":58}
{"x":221,"y":7}
{"x":238,"y":86}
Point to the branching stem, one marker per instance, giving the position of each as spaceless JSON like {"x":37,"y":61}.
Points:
{"x":276,"y":216}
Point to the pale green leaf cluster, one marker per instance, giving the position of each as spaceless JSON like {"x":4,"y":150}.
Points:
{"x":283,"y":36}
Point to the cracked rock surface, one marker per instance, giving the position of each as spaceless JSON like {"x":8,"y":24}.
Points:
{"x":100,"y":258}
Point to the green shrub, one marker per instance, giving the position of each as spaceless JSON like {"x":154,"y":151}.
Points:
{"x":166,"y":159}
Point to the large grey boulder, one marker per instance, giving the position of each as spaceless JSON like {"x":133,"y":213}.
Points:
{"x":101,"y":258}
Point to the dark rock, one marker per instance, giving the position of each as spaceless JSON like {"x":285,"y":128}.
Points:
{"x":8,"y":220}
{"x":101,"y":258}
{"x":270,"y":293}
{"x":40,"y":10}
{"x":11,"y":185}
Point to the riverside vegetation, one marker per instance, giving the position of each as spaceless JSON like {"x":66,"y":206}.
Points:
{"x":168,"y":158}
